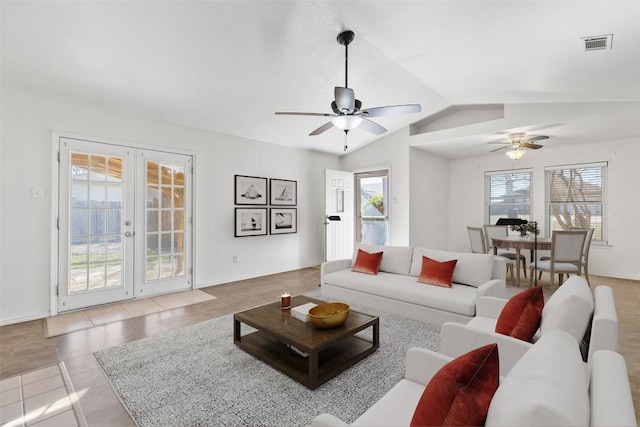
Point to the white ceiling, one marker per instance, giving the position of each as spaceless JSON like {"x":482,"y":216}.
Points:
{"x":227,"y":66}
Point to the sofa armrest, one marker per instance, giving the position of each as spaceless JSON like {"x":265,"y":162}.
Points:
{"x":492,"y":288}
{"x":490,"y":306}
{"x":421,"y":364}
{"x":327,"y":420}
{"x":604,"y":325}
{"x":609,"y":391}
{"x":457,"y":339}
{"x":334,"y":265}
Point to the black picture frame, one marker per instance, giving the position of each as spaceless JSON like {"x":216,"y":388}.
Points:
{"x":250,"y":190}
{"x":251,"y":222}
{"x":283,"y":192}
{"x":283,"y":220}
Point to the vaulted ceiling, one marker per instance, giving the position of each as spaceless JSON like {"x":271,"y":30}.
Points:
{"x":480,"y":69}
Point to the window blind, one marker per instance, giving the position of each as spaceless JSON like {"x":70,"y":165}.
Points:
{"x":576,"y":197}
{"x":508,"y":194}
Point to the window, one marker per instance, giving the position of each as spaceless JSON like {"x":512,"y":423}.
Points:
{"x":575,"y":197}
{"x":508,"y":195}
{"x":372,"y":209}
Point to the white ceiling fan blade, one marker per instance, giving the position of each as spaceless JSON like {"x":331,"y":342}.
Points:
{"x":392,"y":110}
{"x":321,"y":129}
{"x":345,"y":99}
{"x":371,"y":127}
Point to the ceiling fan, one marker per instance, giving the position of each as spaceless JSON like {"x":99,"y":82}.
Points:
{"x":518,"y":143}
{"x":347,"y":113}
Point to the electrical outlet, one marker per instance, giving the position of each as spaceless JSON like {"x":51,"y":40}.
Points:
{"x":236,"y":259}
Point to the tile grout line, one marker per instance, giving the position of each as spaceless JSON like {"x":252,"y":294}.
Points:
{"x":73,"y":397}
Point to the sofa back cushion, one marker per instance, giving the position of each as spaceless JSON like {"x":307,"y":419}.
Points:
{"x":395,"y":259}
{"x":569,"y":308}
{"x":548,"y":386}
{"x":471,"y":269}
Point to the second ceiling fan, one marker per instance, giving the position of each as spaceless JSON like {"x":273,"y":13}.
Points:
{"x":518,"y":143}
{"x":347,"y":113}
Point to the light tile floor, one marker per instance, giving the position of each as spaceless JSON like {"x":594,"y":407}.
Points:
{"x":77,"y":320}
{"x":41,"y":398}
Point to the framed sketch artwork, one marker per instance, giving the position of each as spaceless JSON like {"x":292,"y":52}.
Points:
{"x":283,"y":192}
{"x":250,"y":190}
{"x":251,"y":222}
{"x":283,"y":220}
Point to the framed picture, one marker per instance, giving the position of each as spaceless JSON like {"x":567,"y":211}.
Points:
{"x":284,"y":220}
{"x":251,"y":222}
{"x":283,"y":192}
{"x":250,"y":190}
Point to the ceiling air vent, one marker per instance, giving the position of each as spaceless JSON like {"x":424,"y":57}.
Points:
{"x":598,"y":42}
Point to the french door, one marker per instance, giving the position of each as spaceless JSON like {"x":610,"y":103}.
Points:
{"x":124,"y":223}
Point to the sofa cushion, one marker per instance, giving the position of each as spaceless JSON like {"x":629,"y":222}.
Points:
{"x":395,"y":259}
{"x":436,"y":272}
{"x":367,"y":262}
{"x":459,"y":299}
{"x":471,"y":269}
{"x":459,"y":394}
{"x":569,"y":308}
{"x":520,"y":317}
{"x":546,"y":387}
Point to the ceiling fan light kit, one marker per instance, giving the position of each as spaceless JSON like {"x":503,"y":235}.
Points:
{"x":516,"y":153}
{"x":347,"y":113}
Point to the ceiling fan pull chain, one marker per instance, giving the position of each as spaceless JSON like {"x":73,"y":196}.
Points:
{"x":346,"y":131}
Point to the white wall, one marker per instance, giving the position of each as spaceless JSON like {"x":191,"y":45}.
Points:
{"x":28,"y":121}
{"x":429,"y":201}
{"x":618,"y":259}
{"x":392,"y":152}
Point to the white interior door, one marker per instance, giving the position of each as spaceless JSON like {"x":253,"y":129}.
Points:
{"x":163,"y":234}
{"x":96,"y":213}
{"x":339,"y":202}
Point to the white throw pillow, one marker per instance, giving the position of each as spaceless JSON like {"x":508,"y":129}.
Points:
{"x":395,"y":259}
{"x":569,"y":308}
{"x":548,"y":386}
{"x":471,"y":269}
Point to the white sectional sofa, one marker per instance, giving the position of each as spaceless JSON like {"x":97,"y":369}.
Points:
{"x":549,"y":386}
{"x":573,"y":308}
{"x":395,"y":288}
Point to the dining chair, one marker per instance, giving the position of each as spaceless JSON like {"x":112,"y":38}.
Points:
{"x":491,"y":231}
{"x":476,"y":238}
{"x":585,"y":252}
{"x":566,"y":256}
{"x":479,"y":246}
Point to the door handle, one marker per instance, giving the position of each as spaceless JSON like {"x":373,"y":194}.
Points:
{"x":129,"y":233}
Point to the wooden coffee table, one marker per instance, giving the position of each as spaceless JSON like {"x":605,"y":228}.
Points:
{"x":325,"y":352}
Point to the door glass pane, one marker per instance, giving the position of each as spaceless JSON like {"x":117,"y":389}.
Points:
{"x":165,"y":226}
{"x":373,"y":208}
{"x":95,"y":229}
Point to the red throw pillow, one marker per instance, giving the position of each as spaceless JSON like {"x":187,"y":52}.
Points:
{"x":459,"y":394}
{"x":437,"y":273}
{"x":367,"y":263}
{"x":521,"y":315}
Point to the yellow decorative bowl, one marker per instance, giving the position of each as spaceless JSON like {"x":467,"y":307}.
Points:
{"x":329,"y":315}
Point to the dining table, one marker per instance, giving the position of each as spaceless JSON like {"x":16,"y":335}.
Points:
{"x":533,"y":243}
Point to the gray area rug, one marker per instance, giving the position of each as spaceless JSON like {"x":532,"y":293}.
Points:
{"x":196,"y":376}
